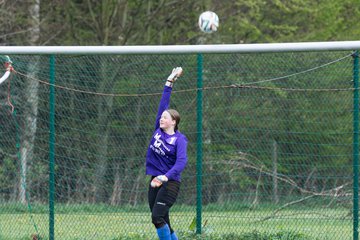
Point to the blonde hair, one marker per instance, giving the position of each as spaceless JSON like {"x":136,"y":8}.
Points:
{"x":174,"y":116}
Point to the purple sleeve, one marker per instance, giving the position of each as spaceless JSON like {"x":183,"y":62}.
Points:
{"x":181,"y":159}
{"x":164,"y":104}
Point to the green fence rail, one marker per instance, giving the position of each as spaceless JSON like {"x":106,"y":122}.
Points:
{"x":273,"y":145}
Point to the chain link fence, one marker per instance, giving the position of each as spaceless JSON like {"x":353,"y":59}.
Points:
{"x":271,"y":137}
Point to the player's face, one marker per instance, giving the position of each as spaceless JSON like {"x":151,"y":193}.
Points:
{"x":166,"y":121}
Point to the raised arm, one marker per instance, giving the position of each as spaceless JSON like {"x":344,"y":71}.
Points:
{"x":165,"y":98}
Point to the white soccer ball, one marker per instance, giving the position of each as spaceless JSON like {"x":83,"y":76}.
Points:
{"x":208,"y":22}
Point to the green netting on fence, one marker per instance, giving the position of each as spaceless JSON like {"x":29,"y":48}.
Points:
{"x":276,"y":147}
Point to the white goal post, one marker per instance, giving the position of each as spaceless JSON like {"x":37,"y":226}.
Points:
{"x":163,"y":49}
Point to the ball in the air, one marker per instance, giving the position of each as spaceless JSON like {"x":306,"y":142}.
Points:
{"x":208,"y":22}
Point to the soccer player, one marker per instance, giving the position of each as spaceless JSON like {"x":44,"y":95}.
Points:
{"x":8,"y":67}
{"x":166,"y":158}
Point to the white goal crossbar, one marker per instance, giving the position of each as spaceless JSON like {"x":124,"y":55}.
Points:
{"x":183,"y":49}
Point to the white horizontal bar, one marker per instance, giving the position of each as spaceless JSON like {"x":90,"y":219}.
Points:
{"x":172,"y":49}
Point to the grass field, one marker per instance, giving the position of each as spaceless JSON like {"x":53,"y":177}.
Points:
{"x":311,"y":224}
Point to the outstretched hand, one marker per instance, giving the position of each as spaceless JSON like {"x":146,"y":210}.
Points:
{"x":7,"y":63}
{"x":9,"y":67}
{"x":176,"y":72}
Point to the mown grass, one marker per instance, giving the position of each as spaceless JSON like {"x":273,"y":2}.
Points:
{"x":77,"y":222}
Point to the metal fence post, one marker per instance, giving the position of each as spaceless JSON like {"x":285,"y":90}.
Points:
{"x":356,"y":148}
{"x":199,"y":144}
{"x":52,"y":149}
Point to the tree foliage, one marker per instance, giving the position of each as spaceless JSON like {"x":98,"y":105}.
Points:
{"x":161,"y":22}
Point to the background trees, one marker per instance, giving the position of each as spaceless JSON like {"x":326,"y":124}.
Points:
{"x":120,"y":22}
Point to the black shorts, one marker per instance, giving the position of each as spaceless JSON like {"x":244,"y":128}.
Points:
{"x":161,"y":200}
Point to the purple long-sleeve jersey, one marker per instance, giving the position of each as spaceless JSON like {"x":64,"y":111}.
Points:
{"x":166,"y":154}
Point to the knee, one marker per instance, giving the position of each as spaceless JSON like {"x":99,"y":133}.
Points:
{"x":158,"y":221}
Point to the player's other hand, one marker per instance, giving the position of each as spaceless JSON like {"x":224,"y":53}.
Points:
{"x":158,"y":181}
